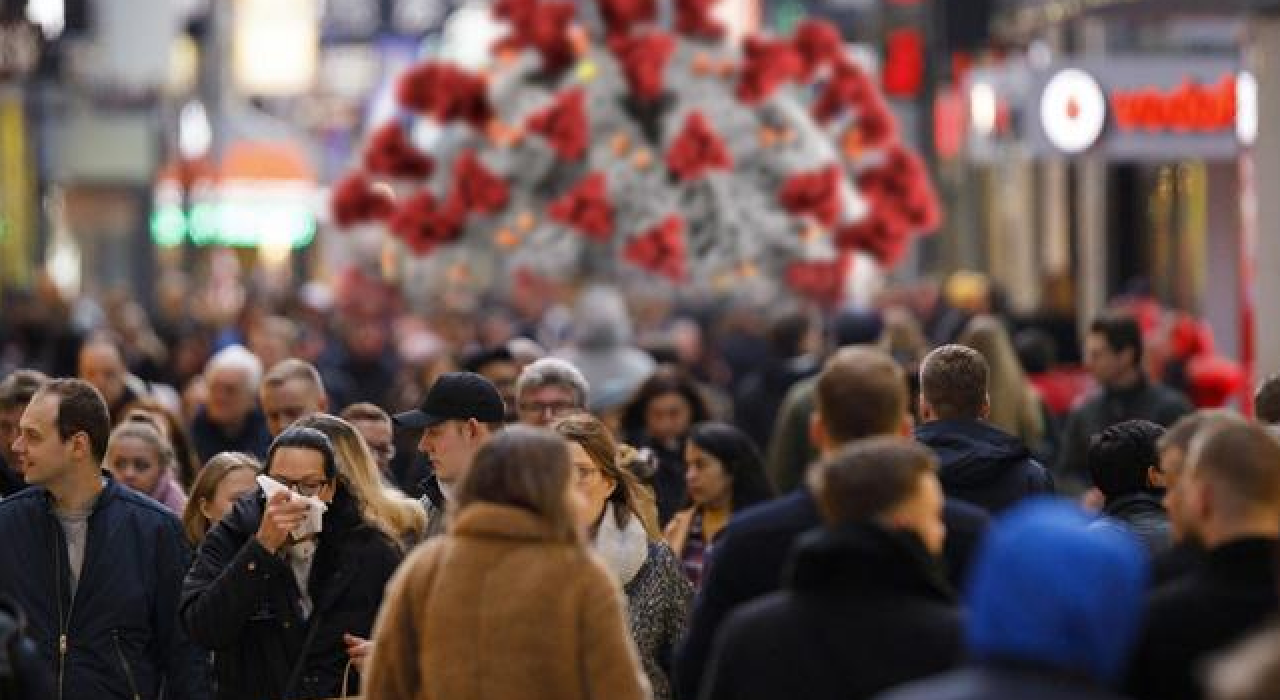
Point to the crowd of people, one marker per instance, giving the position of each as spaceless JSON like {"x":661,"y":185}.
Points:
{"x":627,"y":500}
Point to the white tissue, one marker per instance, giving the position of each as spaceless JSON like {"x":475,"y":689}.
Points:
{"x":315,"y":514}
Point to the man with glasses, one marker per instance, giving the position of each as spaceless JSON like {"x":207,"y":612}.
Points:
{"x":375,"y":426}
{"x":280,"y":582}
{"x":461,"y":411}
{"x":549,"y":389}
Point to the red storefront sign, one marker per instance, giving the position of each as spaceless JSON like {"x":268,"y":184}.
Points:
{"x":1189,"y":108}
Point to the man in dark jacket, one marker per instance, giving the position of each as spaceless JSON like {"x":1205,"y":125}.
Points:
{"x":1232,"y":486}
{"x":865,"y":606}
{"x":230,"y":420}
{"x":1125,"y":467}
{"x":1053,"y":607}
{"x":97,"y":568}
{"x":274,"y":607}
{"x":1113,"y":355}
{"x":980,"y":463}
{"x":795,"y":345}
{"x":861,"y":393}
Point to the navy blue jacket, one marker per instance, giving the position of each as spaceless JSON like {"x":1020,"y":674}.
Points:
{"x":751,"y":553}
{"x":983,"y":465}
{"x":121,"y":631}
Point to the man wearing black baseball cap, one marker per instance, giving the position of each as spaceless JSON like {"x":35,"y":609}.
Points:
{"x":459,"y":414}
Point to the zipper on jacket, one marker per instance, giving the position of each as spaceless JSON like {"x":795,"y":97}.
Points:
{"x":64,"y":618}
{"x":124,"y":663}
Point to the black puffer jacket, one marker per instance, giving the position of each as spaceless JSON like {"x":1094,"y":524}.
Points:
{"x":242,"y":603}
{"x":984,"y":465}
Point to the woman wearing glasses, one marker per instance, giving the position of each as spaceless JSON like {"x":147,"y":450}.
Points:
{"x":618,"y":516}
{"x":272,"y":597}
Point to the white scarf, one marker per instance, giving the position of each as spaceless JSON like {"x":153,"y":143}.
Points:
{"x":623,"y":551}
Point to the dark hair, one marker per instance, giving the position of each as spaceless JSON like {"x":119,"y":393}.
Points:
{"x":1036,"y":350}
{"x":81,"y":409}
{"x":17,"y":389}
{"x":953,"y":379}
{"x":787,"y":332}
{"x":1122,"y":333}
{"x":666,"y":379}
{"x":1266,"y":403}
{"x":1120,"y":456}
{"x":480,"y":359}
{"x":527,"y":468}
{"x":741,"y":460}
{"x":861,"y":392}
{"x":308,"y":439}
{"x":868,"y":478}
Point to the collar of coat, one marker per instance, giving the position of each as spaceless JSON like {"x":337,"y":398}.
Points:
{"x":501,"y":521}
{"x":623,"y":549}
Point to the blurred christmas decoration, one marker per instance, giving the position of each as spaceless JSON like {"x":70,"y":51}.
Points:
{"x":591,"y":151}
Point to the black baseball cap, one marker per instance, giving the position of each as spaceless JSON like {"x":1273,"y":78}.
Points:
{"x":456,"y":396}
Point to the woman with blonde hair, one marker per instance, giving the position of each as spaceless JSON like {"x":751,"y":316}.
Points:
{"x":140,"y":457}
{"x":1016,"y":408}
{"x":512,"y":577}
{"x":225,"y":477}
{"x":397,"y":515}
{"x":617,"y":515}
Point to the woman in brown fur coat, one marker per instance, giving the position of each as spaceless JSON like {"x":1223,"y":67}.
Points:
{"x":509,"y":604}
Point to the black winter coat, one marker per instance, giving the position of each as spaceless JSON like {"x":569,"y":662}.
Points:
{"x":1104,"y":409}
{"x":1232,"y":594}
{"x":208,"y":439}
{"x":983,"y":465}
{"x":998,"y":682}
{"x":120,"y":633}
{"x":1143,"y":515}
{"x":242,"y":603}
{"x":749,"y":557}
{"x":864,"y":609}
{"x":755,"y":406}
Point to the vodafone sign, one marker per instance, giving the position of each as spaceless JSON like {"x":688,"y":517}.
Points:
{"x":1073,"y":111}
{"x":1143,"y":108}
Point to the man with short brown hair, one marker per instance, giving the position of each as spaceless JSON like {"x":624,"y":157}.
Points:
{"x":888,"y":615}
{"x":1231,"y":488}
{"x":861,"y":393}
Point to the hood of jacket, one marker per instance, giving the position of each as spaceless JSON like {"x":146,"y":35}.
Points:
{"x":971,"y":453}
{"x":865,"y":556}
{"x":1047,"y":589}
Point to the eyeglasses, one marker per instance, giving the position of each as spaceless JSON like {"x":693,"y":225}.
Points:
{"x":302,"y":488}
{"x":556,"y":408}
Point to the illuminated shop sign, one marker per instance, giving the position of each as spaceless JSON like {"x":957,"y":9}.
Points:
{"x":1143,"y":108}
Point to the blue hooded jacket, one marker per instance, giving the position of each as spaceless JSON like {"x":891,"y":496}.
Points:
{"x":1048,"y":590}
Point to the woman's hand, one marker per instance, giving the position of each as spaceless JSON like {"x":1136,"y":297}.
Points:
{"x":358,"y":648}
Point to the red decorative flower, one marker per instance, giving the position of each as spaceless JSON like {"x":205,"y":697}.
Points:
{"x":697,"y":150}
{"x":821,"y":281}
{"x":621,"y":15}
{"x":876,"y":124}
{"x":819,"y":44}
{"x":660,"y":250}
{"x":564,"y":125}
{"x":515,"y":12}
{"x":882,"y":237}
{"x":390,"y":153}
{"x":354,"y":200}
{"x":693,"y":18}
{"x":900,"y":189}
{"x":586,"y":208}
{"x":475,"y":187}
{"x":548,"y":32}
{"x":767,"y":64}
{"x":815,"y":194}
{"x":423,"y":225}
{"x":847,"y":88}
{"x":643,"y":60}
{"x":445,"y":92}
{"x":1213,"y":380}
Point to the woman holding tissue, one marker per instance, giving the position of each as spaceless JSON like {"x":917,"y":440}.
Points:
{"x":281,"y":579}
